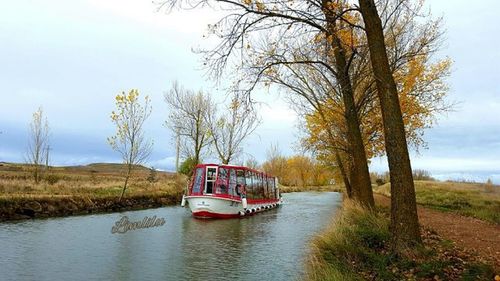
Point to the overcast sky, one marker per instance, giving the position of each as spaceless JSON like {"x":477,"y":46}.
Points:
{"x":73,"y":57}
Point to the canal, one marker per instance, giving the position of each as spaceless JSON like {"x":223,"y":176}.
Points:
{"x":268,"y":246}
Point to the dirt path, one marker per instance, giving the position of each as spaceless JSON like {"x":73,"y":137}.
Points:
{"x":468,"y":233}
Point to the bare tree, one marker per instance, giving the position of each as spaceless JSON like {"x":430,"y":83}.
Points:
{"x":38,"y":143}
{"x":187,"y":119}
{"x":252,"y":163}
{"x":229,"y":129}
{"x":129,"y":139}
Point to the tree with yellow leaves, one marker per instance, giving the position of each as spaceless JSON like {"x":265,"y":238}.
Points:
{"x":326,"y":115}
{"x":300,"y":170}
{"x":266,"y":37}
{"x":129,"y":140}
{"x":275,"y":163}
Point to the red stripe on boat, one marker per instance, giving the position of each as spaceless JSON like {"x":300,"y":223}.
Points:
{"x":205,"y":214}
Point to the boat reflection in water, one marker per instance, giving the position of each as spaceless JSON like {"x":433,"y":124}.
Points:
{"x":226,"y":191}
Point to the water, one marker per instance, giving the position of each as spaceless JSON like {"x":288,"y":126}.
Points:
{"x":268,"y":246}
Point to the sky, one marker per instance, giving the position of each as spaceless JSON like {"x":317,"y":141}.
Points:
{"x":73,"y":57}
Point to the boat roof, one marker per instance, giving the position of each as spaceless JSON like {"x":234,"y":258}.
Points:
{"x":233,"y":166}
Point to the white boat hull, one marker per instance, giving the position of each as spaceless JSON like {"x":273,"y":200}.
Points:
{"x":217,"y":207}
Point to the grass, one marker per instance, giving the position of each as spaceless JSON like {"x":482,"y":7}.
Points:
{"x":92,"y":181}
{"x":356,"y":247}
{"x":287,"y":189}
{"x":469,"y":199}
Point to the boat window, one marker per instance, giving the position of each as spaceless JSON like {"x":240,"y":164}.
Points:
{"x":210,"y":181}
{"x":267,"y":187}
{"x":258,"y":186}
{"x":232,"y":182}
{"x":240,"y":176}
{"x":222,"y":181}
{"x":275,"y":184}
{"x":240,"y":182}
{"x":249,"y":185}
{"x":198,"y":177}
{"x":271,"y":187}
{"x":254,"y":185}
{"x":264,"y":187}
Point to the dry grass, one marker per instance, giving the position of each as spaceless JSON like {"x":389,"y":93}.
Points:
{"x":356,"y":246}
{"x":287,"y":189}
{"x":477,"y":200}
{"x":97,"y":180}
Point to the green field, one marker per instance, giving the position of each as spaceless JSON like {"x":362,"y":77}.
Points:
{"x":477,"y":200}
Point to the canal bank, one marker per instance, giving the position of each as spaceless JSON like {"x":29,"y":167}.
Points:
{"x":62,"y":206}
{"x":357,"y":246}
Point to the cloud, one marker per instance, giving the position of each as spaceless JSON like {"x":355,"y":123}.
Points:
{"x":148,"y":15}
{"x":72,"y":57}
{"x":166,"y":164}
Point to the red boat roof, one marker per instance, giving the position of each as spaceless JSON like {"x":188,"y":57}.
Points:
{"x":232,"y":166}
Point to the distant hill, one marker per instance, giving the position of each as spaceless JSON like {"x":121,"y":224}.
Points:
{"x":105,"y":168}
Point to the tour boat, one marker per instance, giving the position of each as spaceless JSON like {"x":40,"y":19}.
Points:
{"x":227,"y":191}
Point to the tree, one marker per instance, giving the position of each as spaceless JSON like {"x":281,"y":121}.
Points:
{"x":38,"y":143}
{"x":275,"y":163}
{"x":316,"y":88}
{"x":188,"y":111}
{"x":404,"y":219}
{"x":299,"y":170}
{"x":252,"y":163}
{"x":229,"y":129}
{"x":129,"y":140}
{"x":489,"y":186}
{"x":422,"y":88}
{"x":187,"y":166}
{"x":152,"y":177}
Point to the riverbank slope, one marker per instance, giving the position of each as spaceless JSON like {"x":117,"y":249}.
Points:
{"x":460,"y":229}
{"x":356,"y":246}
{"x":86,"y":189}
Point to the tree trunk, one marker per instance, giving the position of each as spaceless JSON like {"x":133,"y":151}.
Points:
{"x":404,"y":220}
{"x":344,"y":174}
{"x":360,"y":176}
{"x":129,"y":169}
{"x":36,"y":174}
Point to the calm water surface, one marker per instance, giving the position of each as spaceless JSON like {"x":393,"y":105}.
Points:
{"x":268,"y":246}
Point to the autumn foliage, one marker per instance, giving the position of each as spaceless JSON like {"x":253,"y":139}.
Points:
{"x":298,"y":170}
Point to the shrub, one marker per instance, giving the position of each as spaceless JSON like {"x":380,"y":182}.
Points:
{"x":489,"y":186}
{"x":422,"y":175}
{"x":52,"y":179}
{"x":354,"y":238}
{"x":93,"y":177}
{"x":187,"y":166}
{"x":380,"y":181}
{"x":152,"y":175}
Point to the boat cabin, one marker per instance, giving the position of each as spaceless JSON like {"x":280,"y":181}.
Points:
{"x":233,"y":182}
